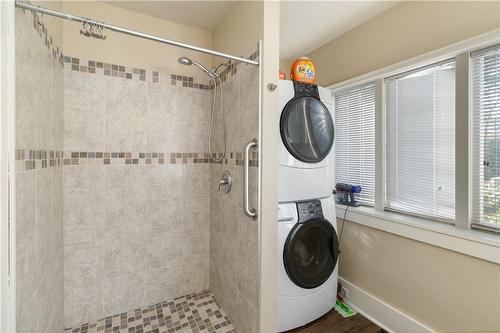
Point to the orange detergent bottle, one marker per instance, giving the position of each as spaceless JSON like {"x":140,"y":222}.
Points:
{"x":303,"y":70}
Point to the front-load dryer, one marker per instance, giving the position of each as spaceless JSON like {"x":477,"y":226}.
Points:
{"x":307,"y":140}
{"x":308,"y":250}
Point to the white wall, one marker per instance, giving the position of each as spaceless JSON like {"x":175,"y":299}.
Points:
{"x":402,"y":32}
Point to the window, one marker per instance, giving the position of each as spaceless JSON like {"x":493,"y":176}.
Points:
{"x":420,"y":141}
{"x":355,"y":139}
{"x":486,"y":136}
{"x":400,"y":137}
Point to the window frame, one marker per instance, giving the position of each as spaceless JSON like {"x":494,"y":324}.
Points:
{"x":463,"y":124}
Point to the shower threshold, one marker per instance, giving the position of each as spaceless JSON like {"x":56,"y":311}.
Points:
{"x":197,"y":312}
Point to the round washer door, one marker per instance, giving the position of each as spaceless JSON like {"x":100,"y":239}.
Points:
{"x":310,"y":253}
{"x":307,"y":129}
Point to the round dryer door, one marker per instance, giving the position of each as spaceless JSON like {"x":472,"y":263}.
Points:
{"x":307,"y":129}
{"x":311,"y":252}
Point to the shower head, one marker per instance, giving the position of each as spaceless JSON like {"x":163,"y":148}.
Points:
{"x":185,"y":61}
{"x":188,"y":62}
{"x":216,"y":68}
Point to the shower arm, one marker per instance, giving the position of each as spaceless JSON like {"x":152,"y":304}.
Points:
{"x":74,"y":18}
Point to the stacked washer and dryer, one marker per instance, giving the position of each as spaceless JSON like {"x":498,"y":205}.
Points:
{"x":307,"y":227}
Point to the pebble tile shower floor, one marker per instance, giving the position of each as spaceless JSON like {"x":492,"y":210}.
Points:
{"x":197,"y":313}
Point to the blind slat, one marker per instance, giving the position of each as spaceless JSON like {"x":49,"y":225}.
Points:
{"x":486,"y":136}
{"x":355,"y":139}
{"x":420,"y":139}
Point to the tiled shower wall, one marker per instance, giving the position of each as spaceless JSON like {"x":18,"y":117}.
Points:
{"x":234,"y":236}
{"x":116,"y":196}
{"x":39,"y":179}
{"x":136,"y":188}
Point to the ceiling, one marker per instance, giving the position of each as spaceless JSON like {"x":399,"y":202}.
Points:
{"x":204,"y":15}
{"x":307,"y":25}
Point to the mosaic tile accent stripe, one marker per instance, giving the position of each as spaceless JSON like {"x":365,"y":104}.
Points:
{"x":196,"y":313}
{"x":139,"y":74}
{"x":29,"y":159}
{"x":187,"y":81}
{"x":236,"y":158}
{"x":130,"y":73}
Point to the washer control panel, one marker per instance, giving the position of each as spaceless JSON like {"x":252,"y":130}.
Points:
{"x":305,"y":89}
{"x":309,"y":209}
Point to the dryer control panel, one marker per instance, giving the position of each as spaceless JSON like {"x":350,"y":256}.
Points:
{"x":309,"y":209}
{"x":304,"y":89}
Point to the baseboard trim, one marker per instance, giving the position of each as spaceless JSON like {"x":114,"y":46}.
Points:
{"x":381,"y":313}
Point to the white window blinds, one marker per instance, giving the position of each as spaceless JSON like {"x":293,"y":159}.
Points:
{"x":355,"y":139}
{"x":486,"y":136}
{"x":420,"y":141}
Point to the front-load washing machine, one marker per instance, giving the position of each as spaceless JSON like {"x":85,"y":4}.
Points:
{"x":308,"y":250}
{"x":306,"y":149}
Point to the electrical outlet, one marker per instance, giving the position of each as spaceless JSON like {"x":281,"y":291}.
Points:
{"x":344,"y":292}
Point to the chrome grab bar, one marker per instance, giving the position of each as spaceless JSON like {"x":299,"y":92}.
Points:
{"x":251,"y":212}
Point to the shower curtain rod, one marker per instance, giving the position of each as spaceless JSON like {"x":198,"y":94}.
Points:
{"x":80,"y":19}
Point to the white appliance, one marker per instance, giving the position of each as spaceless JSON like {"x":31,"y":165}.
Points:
{"x":307,"y":137}
{"x":307,"y":261}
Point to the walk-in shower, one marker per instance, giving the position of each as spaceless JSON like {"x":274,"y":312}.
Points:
{"x":119,"y":222}
{"x":216,"y":81}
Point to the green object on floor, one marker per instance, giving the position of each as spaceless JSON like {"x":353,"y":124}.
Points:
{"x":344,"y":310}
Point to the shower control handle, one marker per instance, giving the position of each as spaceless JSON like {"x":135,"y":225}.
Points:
{"x":250,"y":212}
{"x":225,"y":183}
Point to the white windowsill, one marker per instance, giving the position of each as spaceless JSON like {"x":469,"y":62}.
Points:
{"x":474,"y":243}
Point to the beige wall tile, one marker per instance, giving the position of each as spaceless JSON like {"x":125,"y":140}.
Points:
{"x":164,"y":182}
{"x":45,"y":296}
{"x":196,"y":181}
{"x":83,"y":304}
{"x":231,"y":104}
{"x":124,"y":257}
{"x":84,"y":112}
{"x":178,"y":120}
{"x":249,"y":87}
{"x":43,"y":219}
{"x":85,"y":182}
{"x":165,"y":215}
{"x":163,"y":249}
{"x":39,"y":204}
{"x":125,"y":133}
{"x":84,"y":208}
{"x":29,"y":276}
{"x":26,"y":95}
{"x":245,"y":315}
{"x":83,"y":265}
{"x":124,"y":220}
{"x":27,"y":321}
{"x":165,"y":283}
{"x":126,"y":98}
{"x":199,"y":211}
{"x":83,"y":220}
{"x":233,"y":236}
{"x":124,"y":292}
{"x":125,"y":183}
